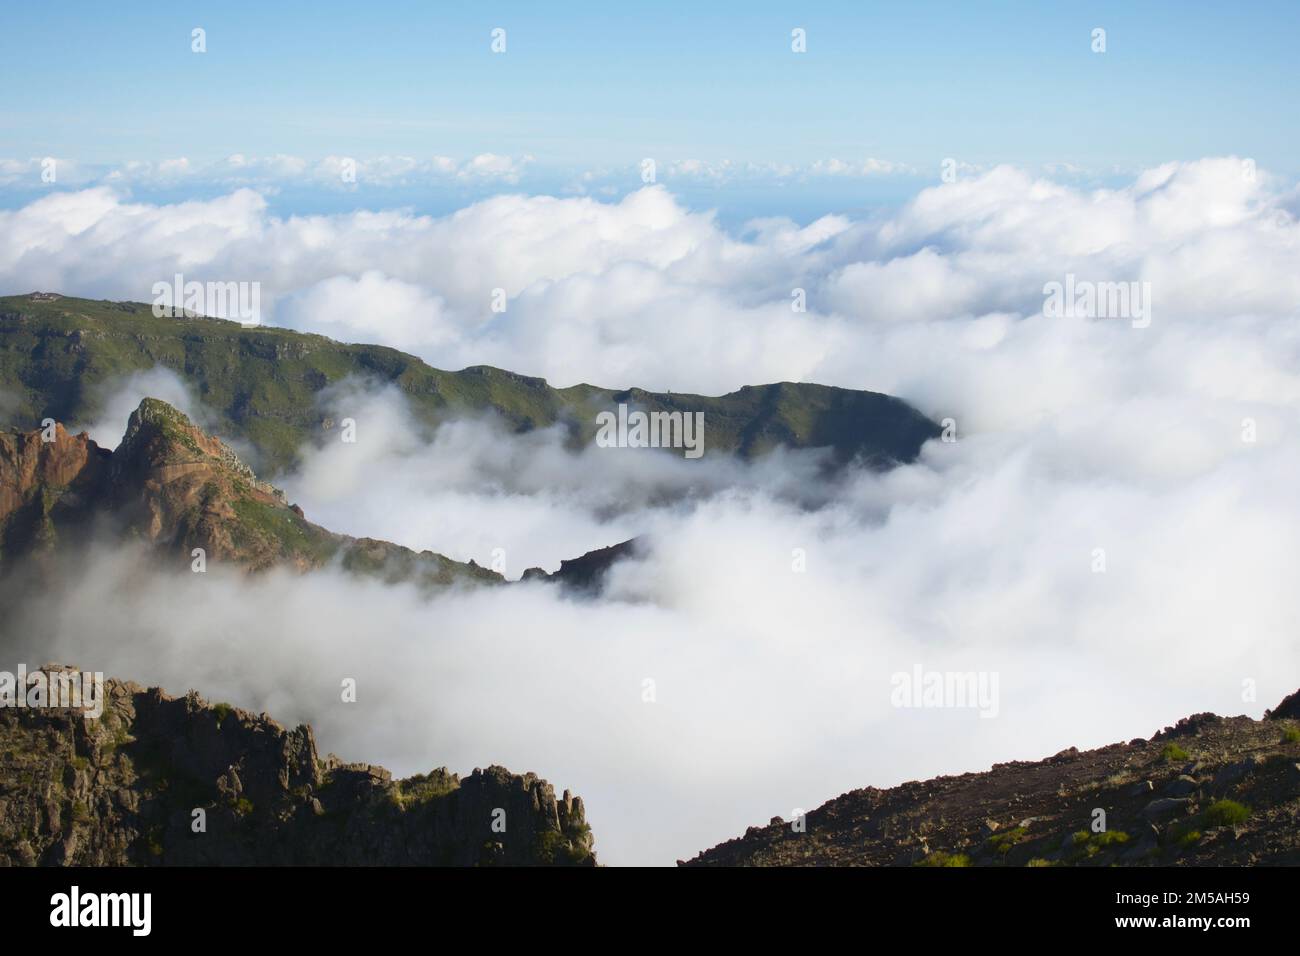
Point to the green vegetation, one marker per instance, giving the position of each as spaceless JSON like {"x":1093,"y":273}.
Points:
{"x":262,"y":385}
{"x":393,"y":563}
{"x":943,"y":858}
{"x":1291,"y":735}
{"x":1002,"y":843}
{"x":264,"y":524}
{"x":422,"y":788}
{"x":558,"y":849}
{"x":121,"y":735}
{"x":1084,"y":845}
{"x":1173,"y":753}
{"x":222,"y":711}
{"x":1222,"y":813}
{"x":1225,"y":813}
{"x":171,"y":423}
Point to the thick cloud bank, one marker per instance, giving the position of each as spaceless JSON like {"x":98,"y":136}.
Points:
{"x":644,"y":291}
{"x":1113,"y":533}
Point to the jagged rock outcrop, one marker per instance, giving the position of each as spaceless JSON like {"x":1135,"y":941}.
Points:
{"x":171,"y":486}
{"x":1289,"y":709}
{"x":1206,"y":791}
{"x":586,"y":574}
{"x":45,"y":485}
{"x":124,"y":788}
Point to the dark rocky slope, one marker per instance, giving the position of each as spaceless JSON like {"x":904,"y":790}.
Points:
{"x":1208,"y":791}
{"x":123,"y":789}
{"x":586,"y":574}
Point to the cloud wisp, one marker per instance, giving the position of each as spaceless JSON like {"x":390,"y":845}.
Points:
{"x":743,"y":667}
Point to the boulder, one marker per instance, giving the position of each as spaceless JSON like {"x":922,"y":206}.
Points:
{"x":1166,"y":807}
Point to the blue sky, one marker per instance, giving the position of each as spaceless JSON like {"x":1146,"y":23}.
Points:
{"x":595,"y":85}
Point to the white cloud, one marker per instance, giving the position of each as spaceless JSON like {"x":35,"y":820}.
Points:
{"x":593,"y":286}
{"x":864,"y":167}
{"x":268,"y":173}
{"x":35,"y":172}
{"x":348,"y":173}
{"x":773,"y":688}
{"x":118,"y":398}
{"x":492,"y":166}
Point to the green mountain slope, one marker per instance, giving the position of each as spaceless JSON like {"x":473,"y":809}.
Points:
{"x":262,"y":383}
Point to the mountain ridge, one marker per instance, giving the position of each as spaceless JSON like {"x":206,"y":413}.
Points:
{"x":57,"y":352}
{"x":126,"y":787}
{"x":173,"y":487}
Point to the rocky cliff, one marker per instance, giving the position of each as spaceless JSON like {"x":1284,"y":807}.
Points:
{"x":1208,"y":791}
{"x":159,"y":780}
{"x":176,"y":488}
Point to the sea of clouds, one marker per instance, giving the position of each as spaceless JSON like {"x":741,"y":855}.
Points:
{"x":772,"y":684}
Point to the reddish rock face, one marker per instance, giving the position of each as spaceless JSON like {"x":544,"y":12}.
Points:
{"x":170,"y":485}
{"x":47,"y":484}
{"x":30,"y":465}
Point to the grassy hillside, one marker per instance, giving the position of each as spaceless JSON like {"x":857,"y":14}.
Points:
{"x":262,"y":383}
